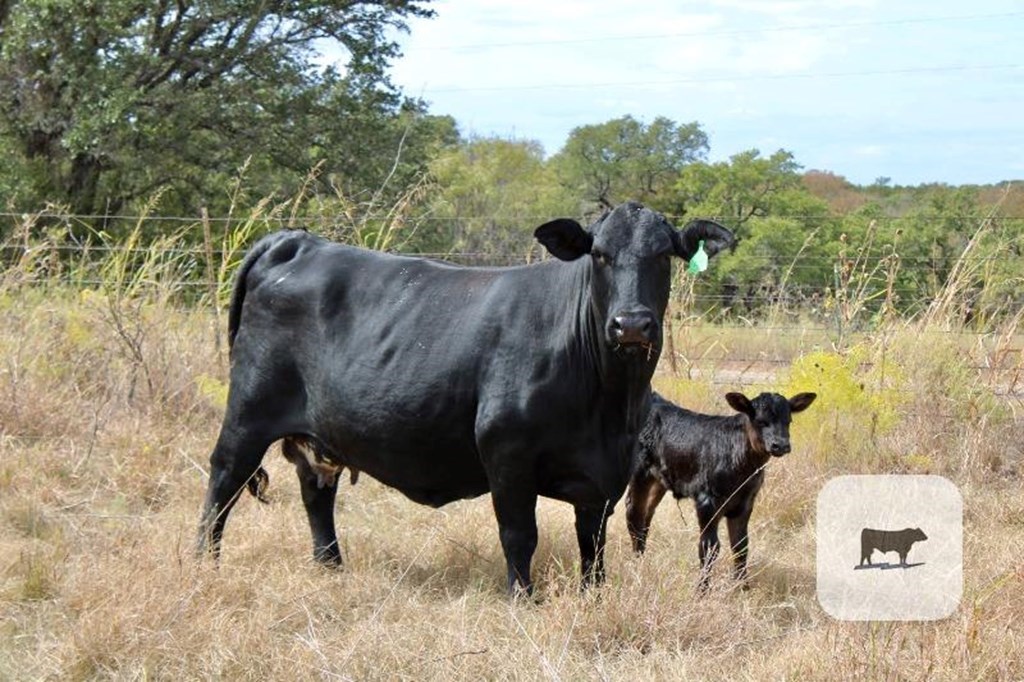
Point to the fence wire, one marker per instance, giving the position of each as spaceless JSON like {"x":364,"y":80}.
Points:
{"x":818,"y":294}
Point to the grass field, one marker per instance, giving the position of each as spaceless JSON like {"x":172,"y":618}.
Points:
{"x":109,"y":407}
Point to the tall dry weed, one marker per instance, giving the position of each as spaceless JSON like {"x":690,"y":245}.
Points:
{"x":103,"y":448}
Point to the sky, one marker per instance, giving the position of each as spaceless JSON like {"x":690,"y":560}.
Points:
{"x":914,"y":91}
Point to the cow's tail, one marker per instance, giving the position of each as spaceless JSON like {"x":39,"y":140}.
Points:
{"x":258,"y":483}
{"x":260,"y":480}
{"x":238,"y":294}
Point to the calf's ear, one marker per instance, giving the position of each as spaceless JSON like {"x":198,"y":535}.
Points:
{"x":801,"y":401}
{"x":564,"y":239}
{"x":716,"y":238}
{"x":740,"y":403}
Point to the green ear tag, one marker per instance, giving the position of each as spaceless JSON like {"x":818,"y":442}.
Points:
{"x":699,"y":262}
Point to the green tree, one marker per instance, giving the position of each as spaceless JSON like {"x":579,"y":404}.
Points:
{"x":491,"y":194}
{"x":744,"y":187}
{"x":786,"y":233}
{"x":624,"y":158}
{"x":105,"y":101}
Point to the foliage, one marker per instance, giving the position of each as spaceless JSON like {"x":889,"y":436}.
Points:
{"x":747,"y":186}
{"x":491,"y":194}
{"x":841,"y":194}
{"x":859,"y":396}
{"x":784,"y":231}
{"x":624,"y":158}
{"x":119,"y":99}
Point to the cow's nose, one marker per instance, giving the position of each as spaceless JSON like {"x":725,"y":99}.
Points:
{"x":632,"y":328}
{"x":779,"y":449}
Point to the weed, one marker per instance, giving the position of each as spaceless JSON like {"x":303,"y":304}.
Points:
{"x":35,"y":573}
{"x":111,"y":393}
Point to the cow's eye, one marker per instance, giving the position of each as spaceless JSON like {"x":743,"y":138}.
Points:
{"x":600,"y":257}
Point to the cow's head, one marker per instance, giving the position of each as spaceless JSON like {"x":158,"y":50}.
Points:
{"x":917,"y":534}
{"x":630,"y":250}
{"x":768,"y":418}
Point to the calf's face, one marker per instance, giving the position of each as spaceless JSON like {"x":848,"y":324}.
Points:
{"x":630,"y":249}
{"x":769,"y":416}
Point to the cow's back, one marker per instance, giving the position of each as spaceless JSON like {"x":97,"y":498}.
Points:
{"x":689,"y":451}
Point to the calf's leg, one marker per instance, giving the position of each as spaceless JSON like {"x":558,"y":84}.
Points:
{"x":708,"y":548}
{"x":740,"y":542}
{"x":642,"y":498}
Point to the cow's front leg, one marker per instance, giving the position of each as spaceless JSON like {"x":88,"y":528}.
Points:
{"x":318,"y":493}
{"x":591,"y":531}
{"x":516,"y":509}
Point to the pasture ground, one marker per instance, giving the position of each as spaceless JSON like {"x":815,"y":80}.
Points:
{"x":108,"y":410}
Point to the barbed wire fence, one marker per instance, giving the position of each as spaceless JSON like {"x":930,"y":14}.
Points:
{"x":793,"y":310}
{"x":88,"y":247}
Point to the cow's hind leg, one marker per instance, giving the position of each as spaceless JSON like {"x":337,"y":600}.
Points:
{"x":591,"y":532}
{"x":318,"y":496}
{"x":235,"y":460}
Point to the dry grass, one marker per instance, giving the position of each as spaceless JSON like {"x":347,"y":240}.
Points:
{"x":101,"y":480}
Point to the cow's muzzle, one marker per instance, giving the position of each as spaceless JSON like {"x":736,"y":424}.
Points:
{"x":633,"y":329}
{"x":779,"y":449}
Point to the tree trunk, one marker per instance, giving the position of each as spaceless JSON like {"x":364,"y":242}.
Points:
{"x":82,"y":183}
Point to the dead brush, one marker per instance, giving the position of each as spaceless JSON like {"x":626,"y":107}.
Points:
{"x":99,"y":493}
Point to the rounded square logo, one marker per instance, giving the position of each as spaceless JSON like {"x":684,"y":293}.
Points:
{"x":889,"y":547}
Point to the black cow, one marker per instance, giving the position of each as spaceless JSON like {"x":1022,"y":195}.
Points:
{"x":448,"y":382}
{"x":716,"y":460}
{"x":899,"y":541}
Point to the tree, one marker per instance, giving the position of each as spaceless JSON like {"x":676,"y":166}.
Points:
{"x":625,"y":159}
{"x":784,"y":230}
{"x":107,"y":101}
{"x":742,"y":188}
{"x":842,"y":195}
{"x":491,"y":194}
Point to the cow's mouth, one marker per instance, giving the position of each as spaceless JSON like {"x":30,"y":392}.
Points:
{"x":644,"y":349}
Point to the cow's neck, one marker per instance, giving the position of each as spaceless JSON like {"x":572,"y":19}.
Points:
{"x":621,"y":380}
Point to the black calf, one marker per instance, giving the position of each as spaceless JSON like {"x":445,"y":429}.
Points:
{"x":716,"y":460}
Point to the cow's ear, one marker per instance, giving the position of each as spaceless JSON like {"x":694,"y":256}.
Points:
{"x":716,"y":238}
{"x":564,"y":239}
{"x":740,"y":403}
{"x":801,"y":401}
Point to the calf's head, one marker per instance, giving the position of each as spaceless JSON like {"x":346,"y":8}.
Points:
{"x":630,"y":250}
{"x":768,"y":418}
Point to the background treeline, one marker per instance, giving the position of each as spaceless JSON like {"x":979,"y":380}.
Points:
{"x":217,"y":121}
